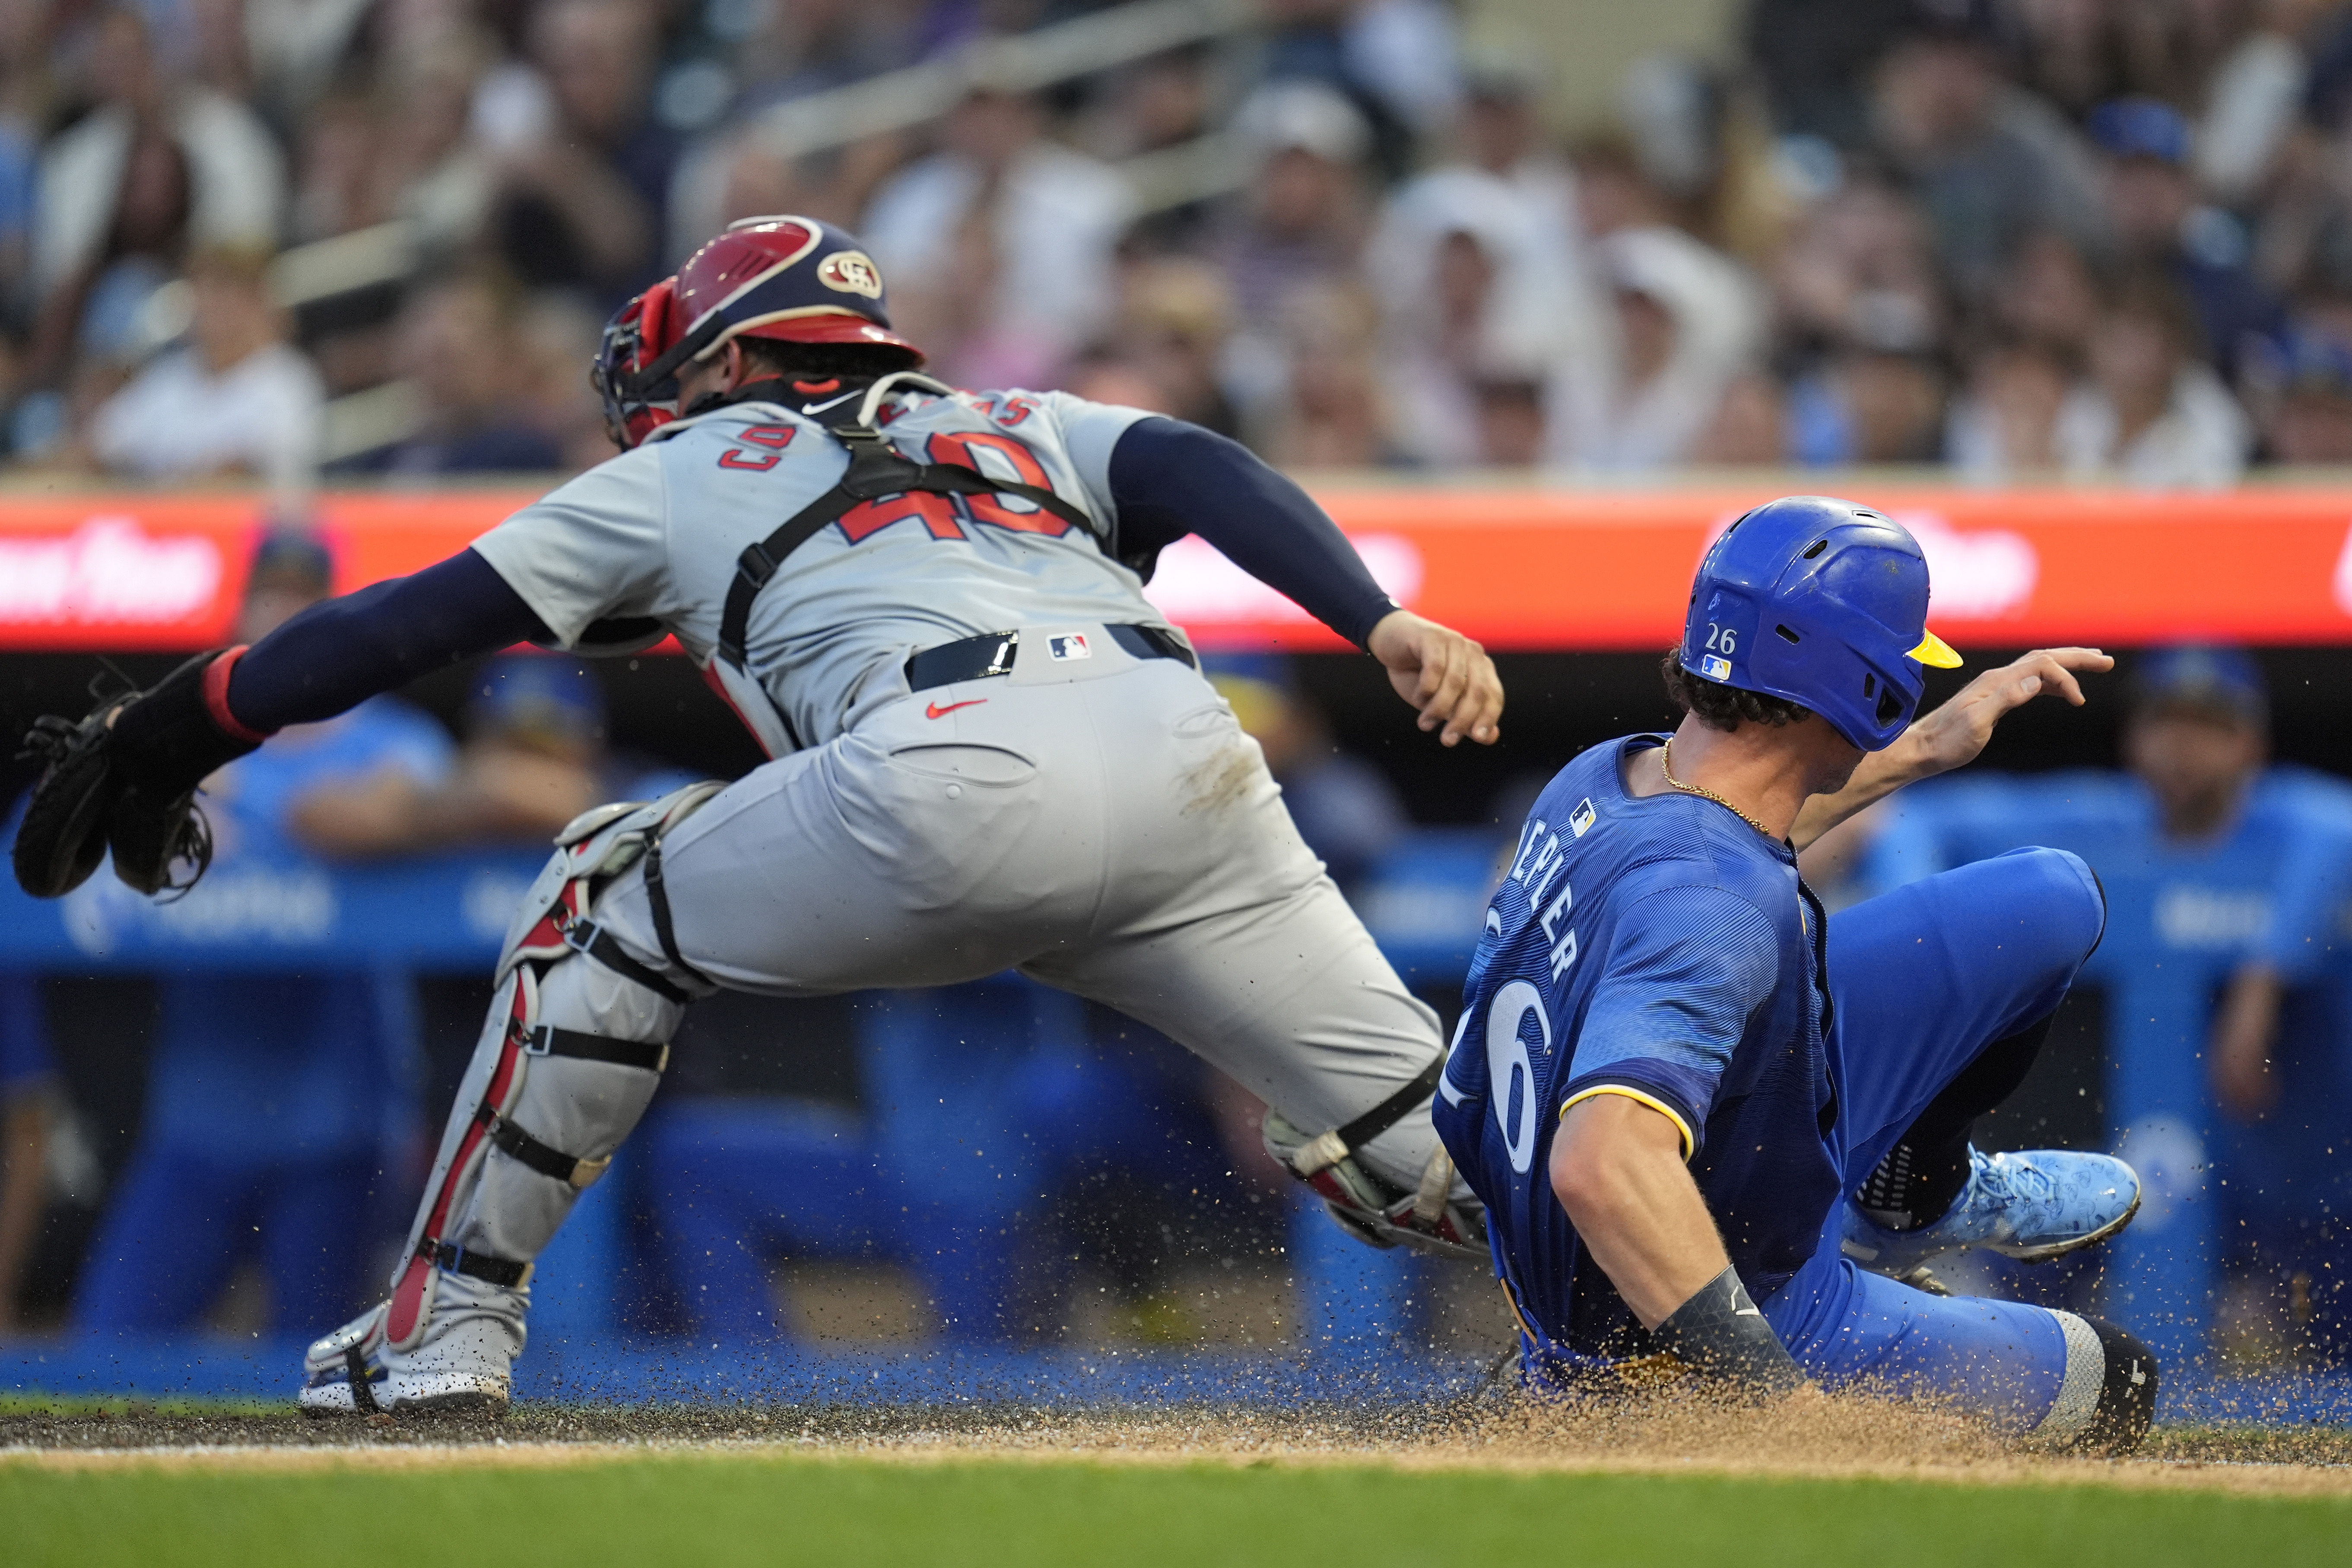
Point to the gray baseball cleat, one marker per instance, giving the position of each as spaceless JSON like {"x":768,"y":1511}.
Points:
{"x":2033,"y":1205}
{"x":458,"y":1361}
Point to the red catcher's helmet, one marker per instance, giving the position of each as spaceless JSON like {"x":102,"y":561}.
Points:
{"x":792,"y":279}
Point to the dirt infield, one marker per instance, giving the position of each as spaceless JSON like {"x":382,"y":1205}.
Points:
{"x":1659,"y":1434}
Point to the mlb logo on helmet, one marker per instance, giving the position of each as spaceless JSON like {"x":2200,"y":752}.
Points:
{"x":1073,"y":646}
{"x":1715,"y":668}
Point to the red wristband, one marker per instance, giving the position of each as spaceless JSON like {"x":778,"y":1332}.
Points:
{"x":217,"y":676}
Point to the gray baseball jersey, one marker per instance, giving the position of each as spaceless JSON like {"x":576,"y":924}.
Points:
{"x":656,"y":533}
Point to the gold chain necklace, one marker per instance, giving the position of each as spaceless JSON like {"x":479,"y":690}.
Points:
{"x":1666,"y":763}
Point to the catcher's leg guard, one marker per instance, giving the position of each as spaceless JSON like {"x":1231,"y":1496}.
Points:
{"x":1439,"y":1214}
{"x":568,"y":1060}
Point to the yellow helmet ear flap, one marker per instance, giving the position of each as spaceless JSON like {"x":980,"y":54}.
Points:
{"x":1934,"y":651}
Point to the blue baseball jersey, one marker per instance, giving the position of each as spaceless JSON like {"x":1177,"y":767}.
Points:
{"x":2182,"y":916}
{"x":1658,"y":947}
{"x":256,"y":1069}
{"x":2293,"y":1166}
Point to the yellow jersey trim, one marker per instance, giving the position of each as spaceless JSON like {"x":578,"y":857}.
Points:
{"x":1690,"y":1144}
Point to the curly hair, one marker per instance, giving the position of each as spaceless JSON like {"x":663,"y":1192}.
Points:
{"x":814,"y":359}
{"x":1726,"y":708}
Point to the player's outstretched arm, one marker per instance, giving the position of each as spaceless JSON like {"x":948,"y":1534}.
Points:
{"x":1446,"y":678}
{"x":1954,"y":734}
{"x":338,"y":653}
{"x":125,"y":778}
{"x":1617,"y":1168}
{"x":1170,"y":478}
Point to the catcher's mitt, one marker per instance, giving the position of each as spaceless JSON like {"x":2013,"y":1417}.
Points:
{"x":124,"y":777}
{"x":63,"y":836}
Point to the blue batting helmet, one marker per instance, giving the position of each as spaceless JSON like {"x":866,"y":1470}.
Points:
{"x":1823,"y":603}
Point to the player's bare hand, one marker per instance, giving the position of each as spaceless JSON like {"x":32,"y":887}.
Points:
{"x":1954,"y":734}
{"x":1444,"y":676}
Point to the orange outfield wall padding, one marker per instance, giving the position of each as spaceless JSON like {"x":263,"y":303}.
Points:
{"x":1520,"y":569}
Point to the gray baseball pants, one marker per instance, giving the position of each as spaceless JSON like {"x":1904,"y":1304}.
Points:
{"x":1101,"y":825}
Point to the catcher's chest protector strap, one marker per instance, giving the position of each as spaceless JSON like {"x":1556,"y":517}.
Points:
{"x":876,"y":469}
{"x":1322,"y":1152}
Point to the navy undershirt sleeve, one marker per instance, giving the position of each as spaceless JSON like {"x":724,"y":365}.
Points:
{"x":1170,"y":478}
{"x":338,"y":653}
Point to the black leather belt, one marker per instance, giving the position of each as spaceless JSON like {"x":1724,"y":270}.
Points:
{"x":993,"y":653}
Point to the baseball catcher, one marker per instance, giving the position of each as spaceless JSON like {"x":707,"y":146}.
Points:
{"x":989,"y":751}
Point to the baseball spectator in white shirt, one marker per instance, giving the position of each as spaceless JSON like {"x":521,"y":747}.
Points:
{"x":2151,"y":413}
{"x":1481,"y":267}
{"x":235,"y":399}
{"x":1690,"y":322}
{"x":234,"y":176}
{"x":999,"y":245}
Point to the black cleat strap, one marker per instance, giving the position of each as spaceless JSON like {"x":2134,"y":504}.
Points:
{"x":355,"y":1367}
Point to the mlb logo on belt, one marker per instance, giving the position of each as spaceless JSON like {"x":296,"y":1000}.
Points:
{"x":1073,"y":645}
{"x":1715,"y":667}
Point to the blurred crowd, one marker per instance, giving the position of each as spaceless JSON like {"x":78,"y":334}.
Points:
{"x":2075,"y":237}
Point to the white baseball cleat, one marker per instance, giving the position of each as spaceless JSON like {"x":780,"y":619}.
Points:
{"x":459,"y":1364}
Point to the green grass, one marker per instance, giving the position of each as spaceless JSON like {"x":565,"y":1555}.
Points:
{"x":727,"y":1508}
{"x":124,"y":1404}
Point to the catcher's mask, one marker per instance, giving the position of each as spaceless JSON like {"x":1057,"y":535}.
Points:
{"x":793,"y":279}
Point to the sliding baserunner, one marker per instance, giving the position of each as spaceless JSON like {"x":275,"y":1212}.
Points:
{"x":1709,"y":1122}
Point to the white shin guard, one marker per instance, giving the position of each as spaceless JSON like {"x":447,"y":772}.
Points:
{"x":568,"y":1060}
